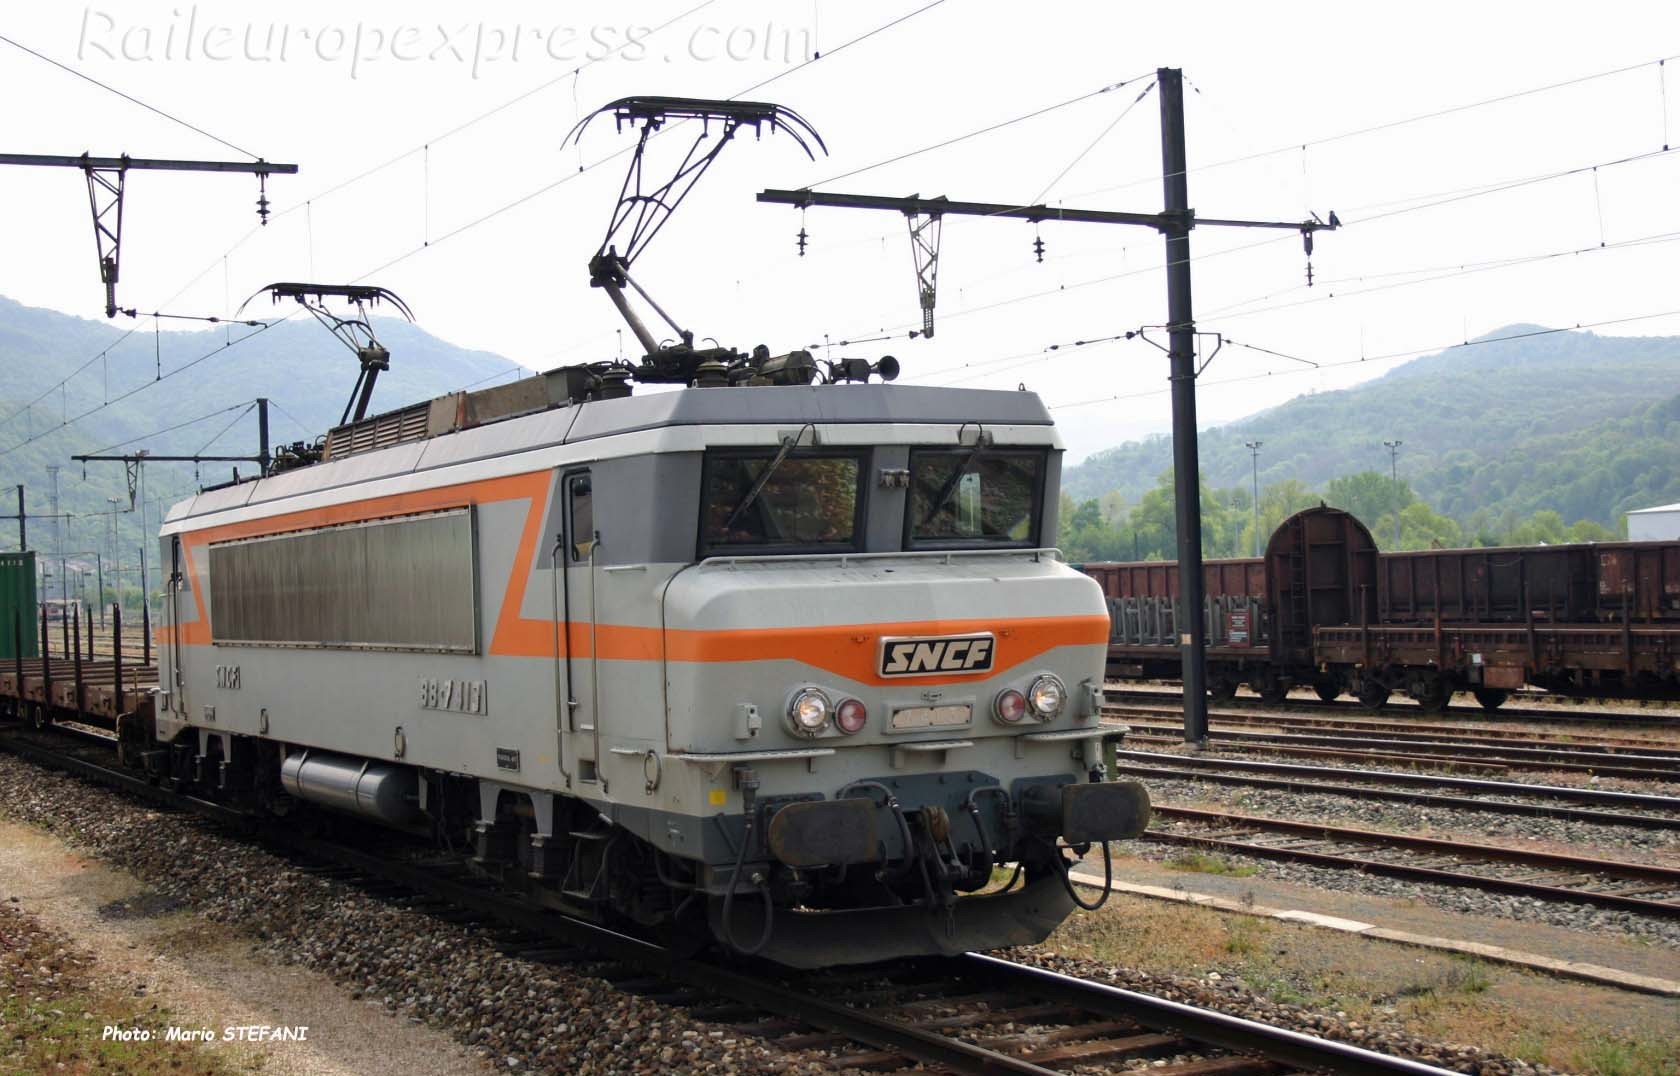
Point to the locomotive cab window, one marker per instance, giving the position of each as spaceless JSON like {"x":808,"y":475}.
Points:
{"x":580,"y":500}
{"x":773,"y":502}
{"x":974,"y":496}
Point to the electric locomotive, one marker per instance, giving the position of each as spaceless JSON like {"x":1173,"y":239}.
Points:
{"x":780,"y":663}
{"x":779,"y":658}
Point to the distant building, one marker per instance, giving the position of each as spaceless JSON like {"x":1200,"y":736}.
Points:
{"x":1659,"y":524}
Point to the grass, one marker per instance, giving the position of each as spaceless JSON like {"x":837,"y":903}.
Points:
{"x":1605,"y":1056}
{"x":1461,"y":975}
{"x":1203,"y":863}
{"x":1572,"y":1026}
{"x":1246,"y":937}
{"x":54,"y":1014}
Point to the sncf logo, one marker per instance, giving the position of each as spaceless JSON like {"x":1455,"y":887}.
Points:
{"x":950,"y":654}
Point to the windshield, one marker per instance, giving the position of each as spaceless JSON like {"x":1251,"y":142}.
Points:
{"x":809,"y":501}
{"x":971,"y":496}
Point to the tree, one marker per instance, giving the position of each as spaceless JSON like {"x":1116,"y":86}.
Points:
{"x":1421,"y":527}
{"x":1278,"y":502}
{"x":1543,"y":528}
{"x":1086,"y":516}
{"x":1369,"y":495}
{"x":1113,"y":508}
{"x":1154,"y":522}
{"x":1585,"y":530}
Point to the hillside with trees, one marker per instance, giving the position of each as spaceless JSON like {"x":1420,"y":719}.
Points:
{"x":1549,"y":438}
{"x":155,"y":381}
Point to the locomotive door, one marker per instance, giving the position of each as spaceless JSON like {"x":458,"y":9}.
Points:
{"x":580,"y":733}
{"x":177,"y":682}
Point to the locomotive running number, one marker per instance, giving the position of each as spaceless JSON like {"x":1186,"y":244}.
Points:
{"x":461,"y":696}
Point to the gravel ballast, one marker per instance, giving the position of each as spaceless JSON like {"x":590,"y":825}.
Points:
{"x":521,"y":1016}
{"x":1404,"y":818}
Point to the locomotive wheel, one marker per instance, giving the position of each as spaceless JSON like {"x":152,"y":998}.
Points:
{"x":1491,"y":698}
{"x":1327,"y":690}
{"x":1372,"y":695}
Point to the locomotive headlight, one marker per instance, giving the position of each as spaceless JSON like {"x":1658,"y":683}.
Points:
{"x":809,"y":711}
{"x":1046,"y":696}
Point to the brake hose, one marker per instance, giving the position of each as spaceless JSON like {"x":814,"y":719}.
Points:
{"x":1108,"y":879}
{"x":749,"y":795}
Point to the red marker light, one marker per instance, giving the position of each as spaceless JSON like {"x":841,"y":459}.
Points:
{"x":851,"y":716}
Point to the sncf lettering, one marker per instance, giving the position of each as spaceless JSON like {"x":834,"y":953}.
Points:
{"x":921,"y":657}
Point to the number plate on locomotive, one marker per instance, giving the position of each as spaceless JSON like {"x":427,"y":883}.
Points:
{"x":931,"y":717}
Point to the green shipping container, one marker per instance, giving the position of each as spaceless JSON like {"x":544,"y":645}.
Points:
{"x":19,"y":615}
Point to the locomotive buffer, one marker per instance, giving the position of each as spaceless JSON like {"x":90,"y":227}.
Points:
{"x":1174,"y":222}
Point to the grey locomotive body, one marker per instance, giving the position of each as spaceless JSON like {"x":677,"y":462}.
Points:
{"x":785,"y":665}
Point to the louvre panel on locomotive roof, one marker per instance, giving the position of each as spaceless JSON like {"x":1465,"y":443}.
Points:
{"x":405,"y":583}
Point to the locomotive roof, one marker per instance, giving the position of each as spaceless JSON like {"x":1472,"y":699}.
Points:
{"x":808,"y":403}
{"x":566,"y":424}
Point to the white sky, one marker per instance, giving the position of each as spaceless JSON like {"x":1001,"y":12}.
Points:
{"x":1264,"y":75}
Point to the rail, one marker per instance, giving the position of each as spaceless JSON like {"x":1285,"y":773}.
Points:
{"x":1109,"y":1022}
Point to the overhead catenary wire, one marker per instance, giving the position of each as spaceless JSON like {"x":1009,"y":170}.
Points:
{"x":569,"y":177}
{"x":838,"y":49}
{"x":242,"y":407}
{"x":1231,"y":313}
{"x":988,"y":129}
{"x":451,"y":132}
{"x":1433,"y":201}
{"x":293,"y":419}
{"x":1237,"y":310}
{"x":1404,"y":121}
{"x":492,"y":214}
{"x":230,"y":424}
{"x":128,"y":97}
{"x":307,"y":204}
{"x":1388,"y":357}
{"x":71,"y":420}
{"x":1086,"y":152}
{"x":1445,"y":198}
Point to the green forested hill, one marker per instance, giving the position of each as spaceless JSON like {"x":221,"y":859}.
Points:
{"x":1584,"y":425}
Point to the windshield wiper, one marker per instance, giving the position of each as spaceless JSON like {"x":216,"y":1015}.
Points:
{"x":782,"y":454}
{"x":951,"y":483}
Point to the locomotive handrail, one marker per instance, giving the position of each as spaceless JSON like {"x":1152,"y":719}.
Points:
{"x":924,"y":554}
{"x":702,"y":758}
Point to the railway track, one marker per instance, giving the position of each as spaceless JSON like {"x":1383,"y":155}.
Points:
{"x":1454,"y":752}
{"x":1492,"y":736}
{"x":1403,"y":709}
{"x":1540,"y":801}
{"x":1633,"y":887}
{"x":969,"y":1014}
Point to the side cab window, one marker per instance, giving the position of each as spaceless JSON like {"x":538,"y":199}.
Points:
{"x":580,"y":515}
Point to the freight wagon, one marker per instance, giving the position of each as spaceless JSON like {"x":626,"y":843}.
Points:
{"x":1324,"y":609}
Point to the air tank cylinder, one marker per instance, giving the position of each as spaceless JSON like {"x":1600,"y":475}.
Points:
{"x":376,"y":790}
